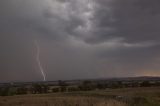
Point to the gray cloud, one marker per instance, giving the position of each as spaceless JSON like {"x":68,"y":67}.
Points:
{"x":79,"y":38}
{"x":134,"y":20}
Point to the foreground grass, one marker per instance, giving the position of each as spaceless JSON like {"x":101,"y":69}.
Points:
{"x":58,"y":101}
{"x":110,"y":97}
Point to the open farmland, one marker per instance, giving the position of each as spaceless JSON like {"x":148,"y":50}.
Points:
{"x":149,"y":96}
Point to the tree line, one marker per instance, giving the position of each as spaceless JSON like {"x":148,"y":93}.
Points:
{"x":64,"y":87}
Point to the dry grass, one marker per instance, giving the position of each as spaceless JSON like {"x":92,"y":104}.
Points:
{"x":132,"y":96}
{"x":39,"y":100}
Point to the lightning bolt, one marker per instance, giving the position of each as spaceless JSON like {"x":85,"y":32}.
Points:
{"x":38,"y":60}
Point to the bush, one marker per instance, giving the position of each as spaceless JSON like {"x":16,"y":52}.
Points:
{"x":7,"y":91}
{"x":101,"y":86}
{"x":71,"y":89}
{"x":87,"y":86}
{"x":55,"y":90}
{"x":40,"y":88}
{"x":145,"y":84}
{"x":21,"y":90}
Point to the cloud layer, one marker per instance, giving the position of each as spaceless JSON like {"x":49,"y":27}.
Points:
{"x":79,"y":38}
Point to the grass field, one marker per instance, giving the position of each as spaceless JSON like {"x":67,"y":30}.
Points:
{"x":111,"y":97}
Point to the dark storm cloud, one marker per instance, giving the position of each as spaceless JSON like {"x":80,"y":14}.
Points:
{"x":79,"y":38}
{"x":134,"y":20}
{"x":24,"y":21}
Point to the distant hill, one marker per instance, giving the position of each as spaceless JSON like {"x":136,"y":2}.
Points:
{"x":139,"y":78}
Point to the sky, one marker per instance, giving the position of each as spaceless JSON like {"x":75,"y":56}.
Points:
{"x":79,"y":39}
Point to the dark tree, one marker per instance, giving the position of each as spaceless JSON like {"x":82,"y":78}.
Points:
{"x":145,"y":84}
{"x":21,"y":90}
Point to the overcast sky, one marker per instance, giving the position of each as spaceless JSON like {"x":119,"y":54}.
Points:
{"x":79,"y":39}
